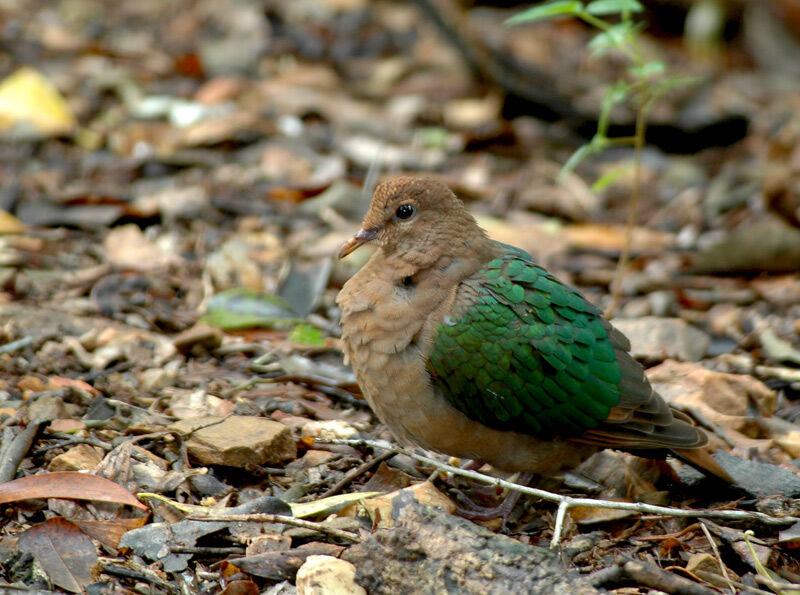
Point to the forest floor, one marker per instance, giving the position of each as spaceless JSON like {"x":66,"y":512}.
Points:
{"x":176,"y":179}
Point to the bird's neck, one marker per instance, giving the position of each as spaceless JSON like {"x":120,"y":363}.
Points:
{"x":450,"y":259}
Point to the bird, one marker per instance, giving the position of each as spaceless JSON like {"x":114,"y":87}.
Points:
{"x":465,"y":346}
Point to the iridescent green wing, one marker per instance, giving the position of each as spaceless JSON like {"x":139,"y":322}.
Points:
{"x":529,"y":354}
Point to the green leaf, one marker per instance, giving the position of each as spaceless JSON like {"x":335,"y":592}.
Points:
{"x":603,"y":7}
{"x":546,"y":11}
{"x":246,"y":308}
{"x":672,"y":82}
{"x":574,"y":160}
{"x":615,"y":37}
{"x":306,"y":334}
{"x":615,"y":94}
{"x":609,"y":178}
{"x":433,"y":137}
{"x":648,"y":69}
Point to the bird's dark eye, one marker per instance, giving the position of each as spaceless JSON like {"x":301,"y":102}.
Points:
{"x":405,"y":211}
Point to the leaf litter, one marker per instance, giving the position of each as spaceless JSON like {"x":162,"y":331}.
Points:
{"x":170,"y":210}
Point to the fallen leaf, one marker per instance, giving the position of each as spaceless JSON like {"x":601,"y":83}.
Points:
{"x":10,"y":224}
{"x":67,"y":484}
{"x":28,"y":98}
{"x":587,"y":515}
{"x":109,"y":532}
{"x":243,"y":308}
{"x":328,"y":505}
{"x":66,"y":554}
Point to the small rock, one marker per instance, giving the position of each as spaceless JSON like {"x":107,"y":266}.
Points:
{"x":312,"y":458}
{"x":777,"y":349}
{"x":472,"y":112}
{"x":271,"y":542}
{"x":198,"y":339}
{"x":655,"y":338}
{"x":329,"y":429}
{"x":127,"y":247}
{"x":583,"y":542}
{"x":759,"y":479}
{"x":31,"y":384}
{"x":155,"y":378}
{"x":48,"y":408}
{"x":237,"y":441}
{"x":326,"y":575}
{"x":66,"y":426}
{"x":77,"y":458}
{"x":284,"y":565}
{"x":198,"y":403}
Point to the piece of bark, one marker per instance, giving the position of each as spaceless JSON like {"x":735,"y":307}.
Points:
{"x":430,"y":551}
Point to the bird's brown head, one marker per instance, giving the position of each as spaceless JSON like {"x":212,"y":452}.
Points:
{"x":410,"y":215}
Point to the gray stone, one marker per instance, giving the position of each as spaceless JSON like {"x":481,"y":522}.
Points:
{"x":654,"y":338}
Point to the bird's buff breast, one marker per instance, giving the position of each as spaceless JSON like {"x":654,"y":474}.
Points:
{"x":387,"y":342}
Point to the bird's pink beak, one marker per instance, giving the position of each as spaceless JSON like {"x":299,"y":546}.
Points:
{"x":362,"y":237}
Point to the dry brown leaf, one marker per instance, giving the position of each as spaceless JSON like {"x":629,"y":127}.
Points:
{"x":67,"y":484}
{"x":587,"y":515}
{"x":612,"y":238}
{"x":66,"y":554}
{"x":109,"y":532}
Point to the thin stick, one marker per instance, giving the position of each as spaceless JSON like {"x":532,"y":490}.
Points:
{"x":652,"y":576}
{"x":14,"y":449}
{"x":362,"y":468}
{"x":277,"y":518}
{"x":625,"y":256}
{"x":16,"y":345}
{"x":559,"y":526}
{"x":717,"y":556}
{"x":569,"y":501}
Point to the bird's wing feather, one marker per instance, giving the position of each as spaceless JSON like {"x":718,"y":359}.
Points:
{"x":524,"y":352}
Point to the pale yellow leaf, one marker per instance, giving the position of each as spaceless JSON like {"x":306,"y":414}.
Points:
{"x":27,"y":98}
{"x":10,"y":224}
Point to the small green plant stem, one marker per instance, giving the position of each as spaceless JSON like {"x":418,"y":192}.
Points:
{"x":594,"y":21}
{"x":645,"y":103}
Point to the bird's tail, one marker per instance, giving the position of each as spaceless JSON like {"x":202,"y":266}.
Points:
{"x":702,"y":459}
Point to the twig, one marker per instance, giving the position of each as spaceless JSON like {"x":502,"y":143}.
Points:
{"x":610,"y":575}
{"x":653,"y":576}
{"x":362,"y":468}
{"x":746,"y":363}
{"x":633,"y":209}
{"x":776,"y":585}
{"x":136,"y":573}
{"x":6,"y":587}
{"x":276,"y":518}
{"x":14,"y":448}
{"x":558,"y":528}
{"x":715,"y":549}
{"x":705,"y":575}
{"x":65,"y":439}
{"x":97,"y":374}
{"x":212,"y":551}
{"x":16,"y":345}
{"x":688,"y":529}
{"x":569,"y":501}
